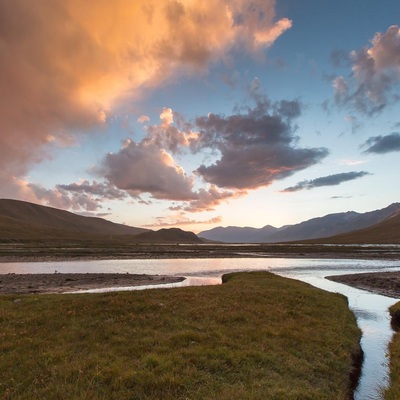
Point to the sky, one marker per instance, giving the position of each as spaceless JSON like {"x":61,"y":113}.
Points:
{"x":197,"y":113}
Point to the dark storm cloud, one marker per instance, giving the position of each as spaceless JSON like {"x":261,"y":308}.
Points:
{"x":330,"y":180}
{"x":383,"y":144}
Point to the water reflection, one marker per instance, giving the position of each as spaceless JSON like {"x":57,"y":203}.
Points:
{"x":189,"y":281}
{"x":369,"y":308}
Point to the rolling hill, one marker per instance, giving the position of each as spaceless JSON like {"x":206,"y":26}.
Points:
{"x":23,"y":220}
{"x":170,"y":235}
{"x":20,"y":220}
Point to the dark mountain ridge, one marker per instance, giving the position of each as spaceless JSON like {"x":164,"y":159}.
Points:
{"x":20,"y":220}
{"x":27,"y":217}
{"x":384,"y":232}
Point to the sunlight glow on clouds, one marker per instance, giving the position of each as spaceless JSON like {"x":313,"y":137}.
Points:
{"x":159,"y":109}
{"x":66,"y":62}
{"x":375,"y":74}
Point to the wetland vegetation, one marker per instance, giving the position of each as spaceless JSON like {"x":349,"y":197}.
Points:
{"x":257,"y":336}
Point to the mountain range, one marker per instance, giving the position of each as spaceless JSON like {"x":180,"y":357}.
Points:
{"x":321,"y":227}
{"x":386,"y":231}
{"x":20,"y":220}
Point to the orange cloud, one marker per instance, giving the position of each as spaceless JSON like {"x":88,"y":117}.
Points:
{"x":66,"y":62}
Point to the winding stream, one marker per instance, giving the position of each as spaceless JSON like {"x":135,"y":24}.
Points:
{"x":370,"y":309}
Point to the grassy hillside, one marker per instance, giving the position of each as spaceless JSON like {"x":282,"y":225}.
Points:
{"x":20,"y":219}
{"x":258,"y":336}
{"x":385,"y":232}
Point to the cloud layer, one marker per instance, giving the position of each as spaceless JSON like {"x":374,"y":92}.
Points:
{"x":330,"y":180}
{"x":253,"y":147}
{"x":64,"y":63}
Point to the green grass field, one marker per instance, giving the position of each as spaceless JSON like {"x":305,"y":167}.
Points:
{"x":257,"y":336}
{"x":393,"y":393}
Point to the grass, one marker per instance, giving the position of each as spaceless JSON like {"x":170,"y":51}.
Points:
{"x":393,"y":392}
{"x":257,"y":336}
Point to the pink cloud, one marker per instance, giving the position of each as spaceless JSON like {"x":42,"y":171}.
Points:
{"x":375,"y":74}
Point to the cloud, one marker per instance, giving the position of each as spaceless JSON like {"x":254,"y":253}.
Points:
{"x":352,"y":162}
{"x":330,"y":180}
{"x":181,"y":221}
{"x":170,"y":136}
{"x":383,"y":144}
{"x":100,"y":190}
{"x":92,"y":214}
{"x":80,"y":196}
{"x":65,"y":63}
{"x":356,"y":125}
{"x":375,"y":74}
{"x":339,"y":58}
{"x":143,"y":119}
{"x":256,"y":145}
{"x":62,"y":199}
{"x":147,"y":168}
{"x":207,"y":199}
{"x":340,"y":197}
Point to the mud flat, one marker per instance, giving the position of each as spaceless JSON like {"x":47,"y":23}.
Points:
{"x":383,"y":283}
{"x":63,"y":283}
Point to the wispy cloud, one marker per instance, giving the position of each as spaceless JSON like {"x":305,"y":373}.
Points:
{"x":181,"y":221}
{"x":350,"y":162}
{"x":354,"y":122}
{"x":330,"y":180}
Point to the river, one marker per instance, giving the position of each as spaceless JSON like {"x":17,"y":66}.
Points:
{"x":371,"y":310}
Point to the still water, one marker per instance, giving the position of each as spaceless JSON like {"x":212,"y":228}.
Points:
{"x":370,"y":309}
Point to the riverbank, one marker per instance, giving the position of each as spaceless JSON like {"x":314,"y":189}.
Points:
{"x":64,"y":283}
{"x":383,"y":283}
{"x":257,"y":336}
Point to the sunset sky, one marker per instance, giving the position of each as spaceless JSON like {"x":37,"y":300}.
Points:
{"x":201,"y":113}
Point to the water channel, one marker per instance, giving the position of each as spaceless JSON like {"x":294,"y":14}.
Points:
{"x":370,"y":309}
